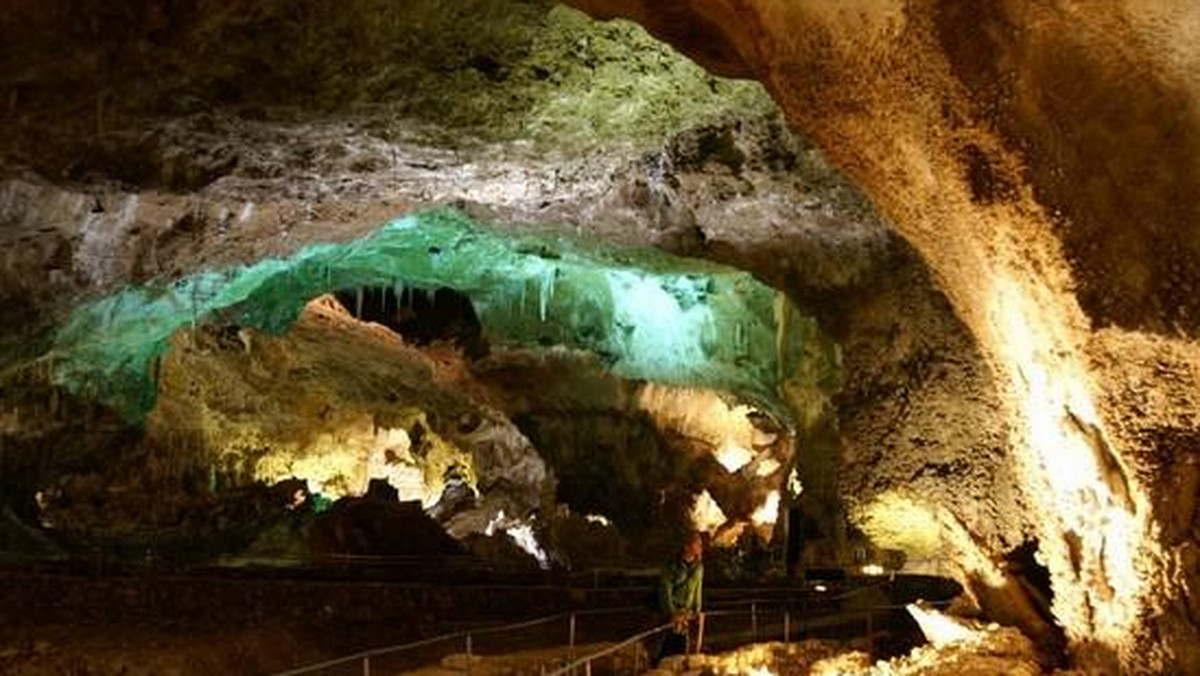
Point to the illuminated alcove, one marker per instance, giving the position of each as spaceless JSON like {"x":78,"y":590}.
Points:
{"x":677,"y":348}
{"x":645,"y":314}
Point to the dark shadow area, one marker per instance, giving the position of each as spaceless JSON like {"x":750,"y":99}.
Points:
{"x":419,"y":315}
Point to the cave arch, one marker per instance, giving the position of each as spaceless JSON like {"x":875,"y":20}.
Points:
{"x":642,"y":315}
{"x":421,"y":316}
{"x":645,"y":315}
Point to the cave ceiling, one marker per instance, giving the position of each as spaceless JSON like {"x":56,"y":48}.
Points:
{"x":541,"y":168}
{"x":645,"y":316}
{"x":1014,"y":297}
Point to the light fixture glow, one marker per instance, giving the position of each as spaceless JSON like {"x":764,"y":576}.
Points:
{"x":768,"y":512}
{"x":733,"y":457}
{"x":795,"y":488}
{"x":523,"y":535}
{"x":706,"y":513}
{"x":766,"y":467}
{"x":940,"y":629}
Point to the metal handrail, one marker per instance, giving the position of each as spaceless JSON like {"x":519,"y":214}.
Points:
{"x":588,"y":659}
{"x":868,"y":613}
{"x":750,"y":606}
{"x":460,"y":634}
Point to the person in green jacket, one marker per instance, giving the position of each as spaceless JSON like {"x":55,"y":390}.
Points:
{"x":680,"y":595}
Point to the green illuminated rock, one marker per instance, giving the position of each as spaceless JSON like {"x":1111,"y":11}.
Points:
{"x":644,"y":314}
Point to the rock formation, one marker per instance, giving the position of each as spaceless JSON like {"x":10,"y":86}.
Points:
{"x":1041,"y":158}
{"x":1019,"y":373}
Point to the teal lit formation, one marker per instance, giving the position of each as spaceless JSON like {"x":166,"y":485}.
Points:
{"x":642,"y":313}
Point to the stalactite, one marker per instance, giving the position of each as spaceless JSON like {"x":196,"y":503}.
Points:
{"x":546,"y":292}
{"x":398,"y":291}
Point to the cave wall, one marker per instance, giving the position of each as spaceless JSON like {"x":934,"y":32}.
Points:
{"x":208,"y":163}
{"x":1036,"y":156}
{"x":148,"y":191}
{"x":917,"y":409}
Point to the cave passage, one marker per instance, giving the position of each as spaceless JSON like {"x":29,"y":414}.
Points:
{"x":644,"y":314}
{"x":636,"y":375}
{"x":421,"y":316}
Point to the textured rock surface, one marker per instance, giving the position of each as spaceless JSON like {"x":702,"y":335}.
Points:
{"x":1037,"y":157}
{"x":1026,"y":370}
{"x":721,"y":176}
{"x":994,"y":651}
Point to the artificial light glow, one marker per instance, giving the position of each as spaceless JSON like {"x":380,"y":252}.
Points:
{"x":598,"y":518}
{"x":704,"y":415}
{"x":893,"y":520}
{"x":521,"y":533}
{"x":820,"y":588}
{"x":493,"y":523}
{"x":523,"y":536}
{"x":749,"y":660}
{"x":1084,"y":488}
{"x":706,"y":513}
{"x":391,"y":460}
{"x":768,"y":512}
{"x":872,"y":569}
{"x":341,"y":462}
{"x":733,"y":457}
{"x":795,"y":488}
{"x":651,"y":316}
{"x":766,"y":467}
{"x":940,"y":629}
{"x":729,"y":534}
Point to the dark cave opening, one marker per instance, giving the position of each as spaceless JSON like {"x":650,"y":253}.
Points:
{"x":1033,"y":576}
{"x":421,"y":316}
{"x":613,"y":463}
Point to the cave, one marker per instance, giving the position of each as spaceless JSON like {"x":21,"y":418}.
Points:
{"x":332,"y":326}
{"x":421,"y":316}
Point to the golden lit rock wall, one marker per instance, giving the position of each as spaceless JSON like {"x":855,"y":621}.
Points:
{"x":1042,"y":158}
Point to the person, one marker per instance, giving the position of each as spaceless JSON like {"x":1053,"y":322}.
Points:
{"x":680,"y":596}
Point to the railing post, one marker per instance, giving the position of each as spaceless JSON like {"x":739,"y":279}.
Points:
{"x":367,"y":666}
{"x":754,"y":621}
{"x":587,"y":667}
{"x":787,"y":626}
{"x":469,"y":651}
{"x":571,"y":644}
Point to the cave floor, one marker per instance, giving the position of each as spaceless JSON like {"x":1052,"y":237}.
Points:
{"x":160,"y":623}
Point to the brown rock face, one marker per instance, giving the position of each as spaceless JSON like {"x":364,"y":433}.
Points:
{"x":1042,"y":158}
{"x":1029,"y":374}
